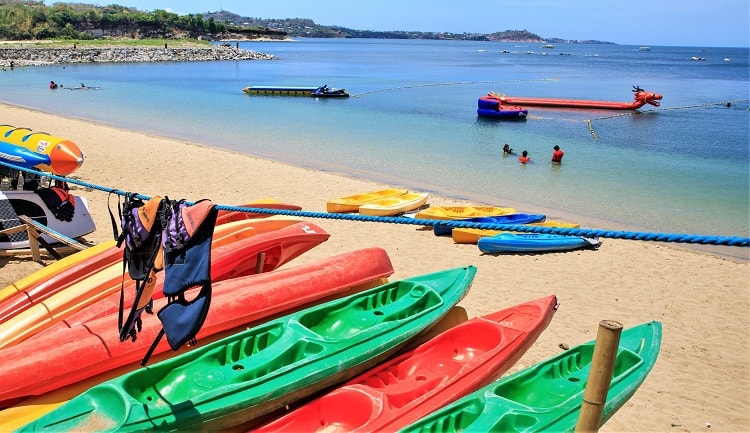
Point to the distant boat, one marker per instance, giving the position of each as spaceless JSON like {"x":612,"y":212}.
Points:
{"x":548,"y":46}
{"x":726,"y":59}
{"x":697,"y":58}
{"x":644,"y":48}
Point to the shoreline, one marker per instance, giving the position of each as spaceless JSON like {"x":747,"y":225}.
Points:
{"x":702,"y":375}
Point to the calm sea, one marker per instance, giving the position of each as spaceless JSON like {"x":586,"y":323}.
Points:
{"x":682,"y":168}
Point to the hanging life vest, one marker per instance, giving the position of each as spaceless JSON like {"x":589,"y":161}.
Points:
{"x":141,"y":227}
{"x":186,"y":241}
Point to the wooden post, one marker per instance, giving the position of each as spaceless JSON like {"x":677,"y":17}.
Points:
{"x":600,"y":376}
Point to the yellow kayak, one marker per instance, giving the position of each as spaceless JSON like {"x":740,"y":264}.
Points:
{"x":471,"y":236}
{"x":53,"y":269}
{"x":353,"y":202}
{"x":461,"y":212}
{"x":395,"y":205}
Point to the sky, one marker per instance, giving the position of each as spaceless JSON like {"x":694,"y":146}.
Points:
{"x":695,"y":23}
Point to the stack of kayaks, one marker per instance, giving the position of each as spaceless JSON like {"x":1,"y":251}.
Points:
{"x":385,"y":202}
{"x":260,"y":370}
{"x":513,"y":218}
{"x":472,"y":235}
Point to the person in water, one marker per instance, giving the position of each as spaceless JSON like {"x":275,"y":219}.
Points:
{"x":557,"y":155}
{"x":52,"y":85}
{"x":507,"y":150}
{"x":524,"y":158}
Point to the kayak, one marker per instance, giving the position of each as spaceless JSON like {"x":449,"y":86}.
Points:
{"x":94,"y":347}
{"x":548,"y":396}
{"x":353,"y":202}
{"x":260,"y":370}
{"x":394,"y":205}
{"x":53,"y":269}
{"x":461,"y":212}
{"x":229,"y":261}
{"x":403,"y":389}
{"x":513,"y":218}
{"x":533,"y":243}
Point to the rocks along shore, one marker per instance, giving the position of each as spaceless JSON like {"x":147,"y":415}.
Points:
{"x":42,"y":56}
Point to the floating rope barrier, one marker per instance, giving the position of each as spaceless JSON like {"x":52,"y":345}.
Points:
{"x":456,"y":83}
{"x":684,"y":107}
{"x":584,"y":232}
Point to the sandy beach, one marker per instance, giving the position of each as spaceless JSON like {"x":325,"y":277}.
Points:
{"x":701,"y":381}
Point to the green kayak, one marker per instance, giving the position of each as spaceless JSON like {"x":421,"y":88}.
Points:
{"x":260,"y":370}
{"x":548,"y":396}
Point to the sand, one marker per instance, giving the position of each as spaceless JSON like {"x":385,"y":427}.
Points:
{"x":701,"y":381}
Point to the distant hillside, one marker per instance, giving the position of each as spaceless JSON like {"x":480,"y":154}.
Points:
{"x":28,"y":20}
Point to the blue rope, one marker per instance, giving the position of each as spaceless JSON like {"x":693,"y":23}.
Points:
{"x":583,"y":232}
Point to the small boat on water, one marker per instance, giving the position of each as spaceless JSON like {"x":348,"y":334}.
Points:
{"x":411,"y":385}
{"x":547,"y":397}
{"x":491,"y":105}
{"x":533,"y":243}
{"x":513,"y":218}
{"x":640,"y":98}
{"x":352,"y":203}
{"x":395,"y":205}
{"x":319,"y":92}
{"x":258,"y":371}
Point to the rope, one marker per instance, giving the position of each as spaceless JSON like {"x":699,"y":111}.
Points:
{"x":583,"y":232}
{"x":451,"y":84}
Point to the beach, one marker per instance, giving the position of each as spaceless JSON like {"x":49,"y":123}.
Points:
{"x":701,"y":381}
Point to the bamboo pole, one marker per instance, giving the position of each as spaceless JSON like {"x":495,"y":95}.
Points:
{"x":600,"y":376}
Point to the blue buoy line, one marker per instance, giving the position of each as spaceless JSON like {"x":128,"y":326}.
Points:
{"x":584,"y":232}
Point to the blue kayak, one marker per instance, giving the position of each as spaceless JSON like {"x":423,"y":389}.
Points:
{"x":514,"y":218}
{"x":533,"y":243}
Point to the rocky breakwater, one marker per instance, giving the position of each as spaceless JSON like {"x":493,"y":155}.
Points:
{"x":41,"y":56}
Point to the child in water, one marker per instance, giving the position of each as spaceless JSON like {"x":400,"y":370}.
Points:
{"x":524,"y":158}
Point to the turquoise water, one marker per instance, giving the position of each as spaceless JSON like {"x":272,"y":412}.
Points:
{"x":682,"y":168}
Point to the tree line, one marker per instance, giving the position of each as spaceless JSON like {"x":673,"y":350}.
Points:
{"x":28,"y":20}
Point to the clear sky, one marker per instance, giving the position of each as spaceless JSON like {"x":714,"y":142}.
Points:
{"x":697,"y":23}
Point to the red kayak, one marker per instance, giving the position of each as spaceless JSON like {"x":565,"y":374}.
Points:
{"x":37,"y":366}
{"x":640,"y":96}
{"x":230,"y":261}
{"x":411,"y":385}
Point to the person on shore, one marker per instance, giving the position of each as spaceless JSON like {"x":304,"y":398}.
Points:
{"x":524,"y":158}
{"x":557,"y":155}
{"x":507,"y":150}
{"x":52,"y":85}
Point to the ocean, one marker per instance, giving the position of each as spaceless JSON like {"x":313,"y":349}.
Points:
{"x":411,"y":121}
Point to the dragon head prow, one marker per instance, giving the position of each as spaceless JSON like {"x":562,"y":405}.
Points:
{"x":647,"y":97}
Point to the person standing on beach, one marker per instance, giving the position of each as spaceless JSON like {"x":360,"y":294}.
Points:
{"x":557,"y":155}
{"x":524,"y":158}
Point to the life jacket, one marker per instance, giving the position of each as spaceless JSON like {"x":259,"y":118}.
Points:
{"x":141,"y":227}
{"x":186,"y":241}
{"x":58,"y":199}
